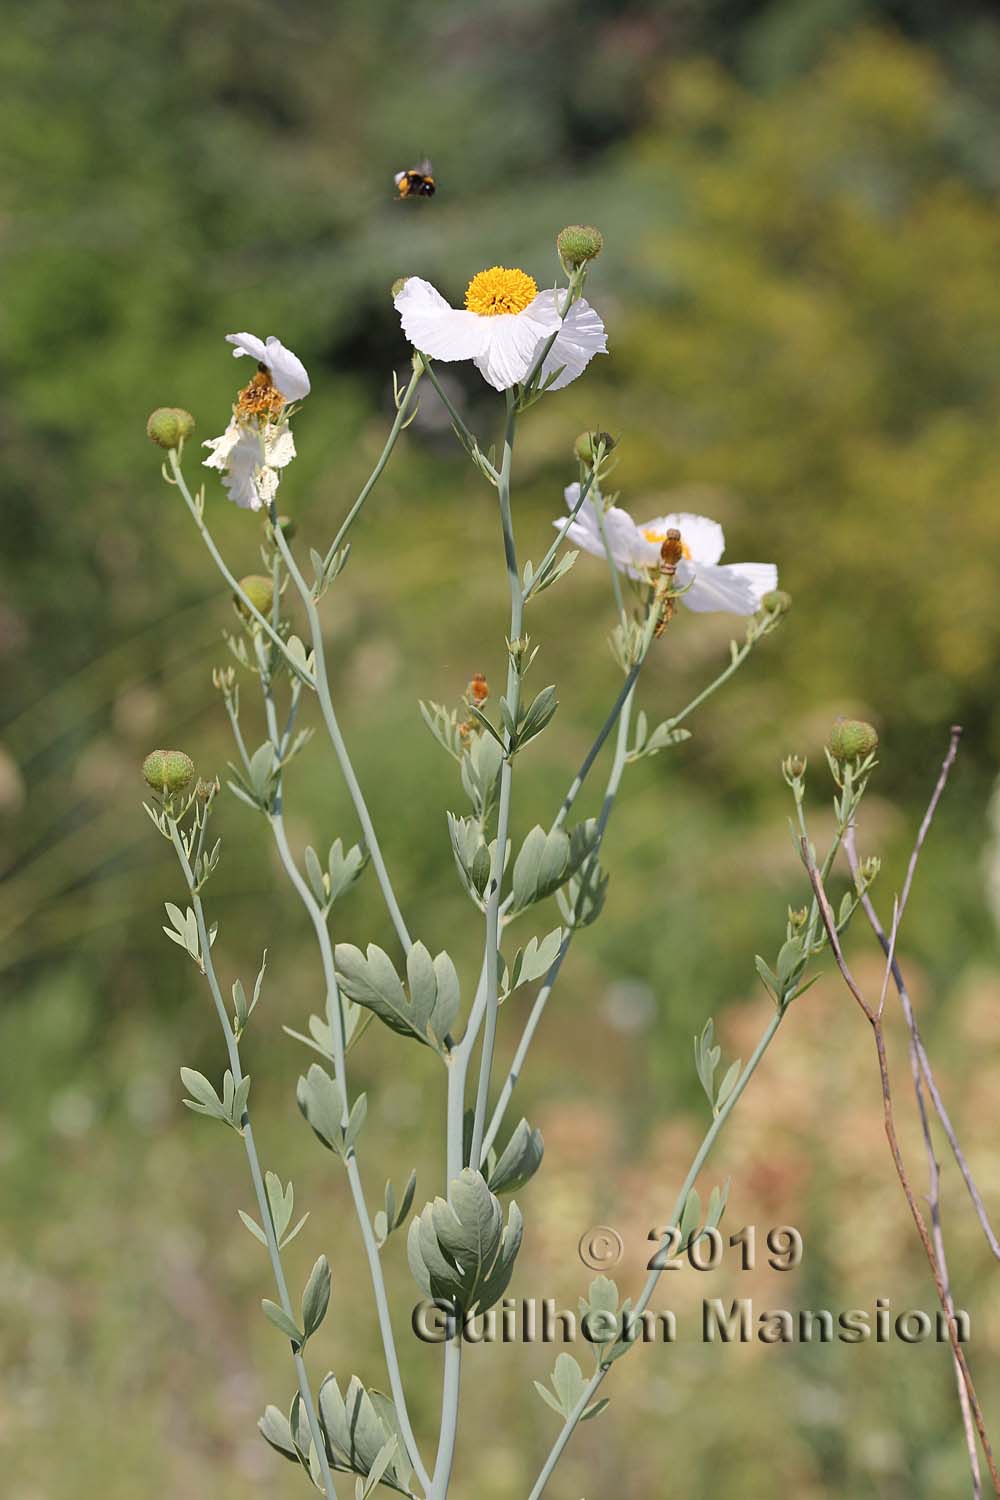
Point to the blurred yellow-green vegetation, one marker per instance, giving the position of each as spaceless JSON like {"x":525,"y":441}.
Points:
{"x":800,"y":206}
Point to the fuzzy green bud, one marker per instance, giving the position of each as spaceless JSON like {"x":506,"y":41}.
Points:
{"x":852,"y":739}
{"x":287,"y":526}
{"x":259,"y":590}
{"x":397,"y":286}
{"x":777,"y":602}
{"x":169,"y":426}
{"x":793,"y":768}
{"x":577,"y":244}
{"x":589,"y":444}
{"x":168,"y":770}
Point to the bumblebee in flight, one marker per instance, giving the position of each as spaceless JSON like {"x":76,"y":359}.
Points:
{"x":418,"y":182}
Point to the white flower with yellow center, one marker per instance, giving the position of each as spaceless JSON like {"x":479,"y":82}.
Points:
{"x":503,"y":327}
{"x":737,"y":588}
{"x":258,"y":442}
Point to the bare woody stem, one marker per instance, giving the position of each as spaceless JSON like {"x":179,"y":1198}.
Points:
{"x":927,"y":1072}
{"x":920,"y":1069}
{"x":874,"y":1017}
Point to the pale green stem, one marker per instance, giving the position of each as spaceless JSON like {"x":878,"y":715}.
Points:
{"x":467,"y":437}
{"x":449,"y":1418}
{"x":597,"y":1379}
{"x":335,"y":1021}
{"x":622,"y":711}
{"x":217,"y":558}
{"x":504,"y":802}
{"x":549,"y":557}
{"x":264,"y":1208}
{"x":322,"y":685}
{"x":376,"y":474}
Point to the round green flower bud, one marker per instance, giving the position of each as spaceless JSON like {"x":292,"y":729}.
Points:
{"x":852,"y":739}
{"x":168,"y":770}
{"x":588,"y":443}
{"x":287,"y":526}
{"x":578,"y":243}
{"x":259,"y":590}
{"x":169,"y":426}
{"x":777,"y":602}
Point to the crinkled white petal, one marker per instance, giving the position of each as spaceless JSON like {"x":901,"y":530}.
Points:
{"x":434,"y":327}
{"x":279,"y":445}
{"x":511,"y":348}
{"x":736,"y":588}
{"x":287,"y":370}
{"x":703,"y":538}
{"x":222,"y":446}
{"x":581,"y":335}
{"x":249,"y":460}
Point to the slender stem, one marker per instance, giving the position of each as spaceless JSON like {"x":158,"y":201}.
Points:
{"x":217,"y":558}
{"x":874,"y":1018}
{"x":927,"y":1071}
{"x":622,"y":711}
{"x":322,"y":685}
{"x":373,"y":478}
{"x":449,"y":1418}
{"x":467,"y":438}
{"x":543,"y":567}
{"x":513,"y":693}
{"x":576,"y":785}
{"x":920,"y":1071}
{"x":527,"y":1037}
{"x":739,"y":657}
{"x":335,"y":1021}
{"x":256,"y":1176}
{"x":711,"y":1135}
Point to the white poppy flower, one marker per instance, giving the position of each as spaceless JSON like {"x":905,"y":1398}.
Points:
{"x":249,"y":457}
{"x":737,"y":588}
{"x":503,"y":327}
{"x":286,"y":369}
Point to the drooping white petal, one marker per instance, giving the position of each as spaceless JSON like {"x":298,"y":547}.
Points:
{"x":436,"y":328}
{"x":287,"y":370}
{"x":247,"y":343}
{"x":509,"y":351}
{"x":580,"y":336}
{"x":703,"y":538}
{"x":736,"y":588}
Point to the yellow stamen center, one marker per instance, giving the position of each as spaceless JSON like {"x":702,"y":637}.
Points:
{"x":500,"y":290}
{"x":259,"y":400}
{"x":656,"y":537}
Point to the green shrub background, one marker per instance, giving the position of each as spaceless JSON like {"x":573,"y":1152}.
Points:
{"x":800,"y":205}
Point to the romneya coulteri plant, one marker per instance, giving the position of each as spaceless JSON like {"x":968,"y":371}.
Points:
{"x":462,"y":1240}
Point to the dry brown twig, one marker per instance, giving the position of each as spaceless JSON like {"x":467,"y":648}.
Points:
{"x":921,"y":1072}
{"x":874,"y":1016}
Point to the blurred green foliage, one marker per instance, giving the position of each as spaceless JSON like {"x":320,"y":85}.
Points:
{"x":800,"y":210}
